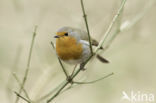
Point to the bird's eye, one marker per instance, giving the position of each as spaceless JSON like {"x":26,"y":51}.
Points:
{"x":66,"y":34}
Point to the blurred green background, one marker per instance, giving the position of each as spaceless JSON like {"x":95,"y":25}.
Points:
{"x":132,"y":55}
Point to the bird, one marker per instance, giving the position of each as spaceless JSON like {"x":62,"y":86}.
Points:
{"x":72,"y":46}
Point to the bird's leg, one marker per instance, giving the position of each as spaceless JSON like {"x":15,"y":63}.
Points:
{"x":82,"y":66}
{"x":69,"y":79}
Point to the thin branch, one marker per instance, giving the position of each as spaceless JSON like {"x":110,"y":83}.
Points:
{"x":18,"y":95}
{"x":87,"y":27}
{"x":117,"y":31}
{"x":63,"y":68}
{"x":28,"y":64}
{"x":73,"y":70}
{"x":58,"y":92}
{"x":129,"y":24}
{"x":15,"y":68}
{"x":111,"y":25}
{"x":51,"y":92}
{"x":94,"y":81}
{"x":19,"y":83}
{"x":70,"y":87}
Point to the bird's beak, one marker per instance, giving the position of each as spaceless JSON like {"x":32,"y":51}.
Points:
{"x":56,"y":36}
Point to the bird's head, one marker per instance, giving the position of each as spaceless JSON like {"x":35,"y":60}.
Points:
{"x":66,"y":33}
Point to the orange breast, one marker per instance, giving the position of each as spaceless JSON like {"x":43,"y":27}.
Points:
{"x":67,"y":48}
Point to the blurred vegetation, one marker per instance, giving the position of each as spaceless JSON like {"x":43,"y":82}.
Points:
{"x":132,"y":54}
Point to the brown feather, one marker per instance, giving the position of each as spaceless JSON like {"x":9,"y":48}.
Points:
{"x":103,"y":60}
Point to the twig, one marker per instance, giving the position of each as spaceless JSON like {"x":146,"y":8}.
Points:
{"x":129,"y":24}
{"x":15,"y":68}
{"x":111,"y":25}
{"x":64,"y":70}
{"x":73,"y":70}
{"x":58,"y":92}
{"x":71,"y":86}
{"x":19,"y":83}
{"x":87,"y":27}
{"x":18,"y":95}
{"x":94,"y":81}
{"x":117,"y":31}
{"x":51,"y":92}
{"x":28,"y":64}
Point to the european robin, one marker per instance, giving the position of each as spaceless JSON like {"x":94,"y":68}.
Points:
{"x":72,"y":45}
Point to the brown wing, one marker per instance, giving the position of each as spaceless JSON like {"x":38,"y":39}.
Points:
{"x":84,"y":36}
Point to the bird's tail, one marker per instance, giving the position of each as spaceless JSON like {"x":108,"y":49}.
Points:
{"x":103,"y":60}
